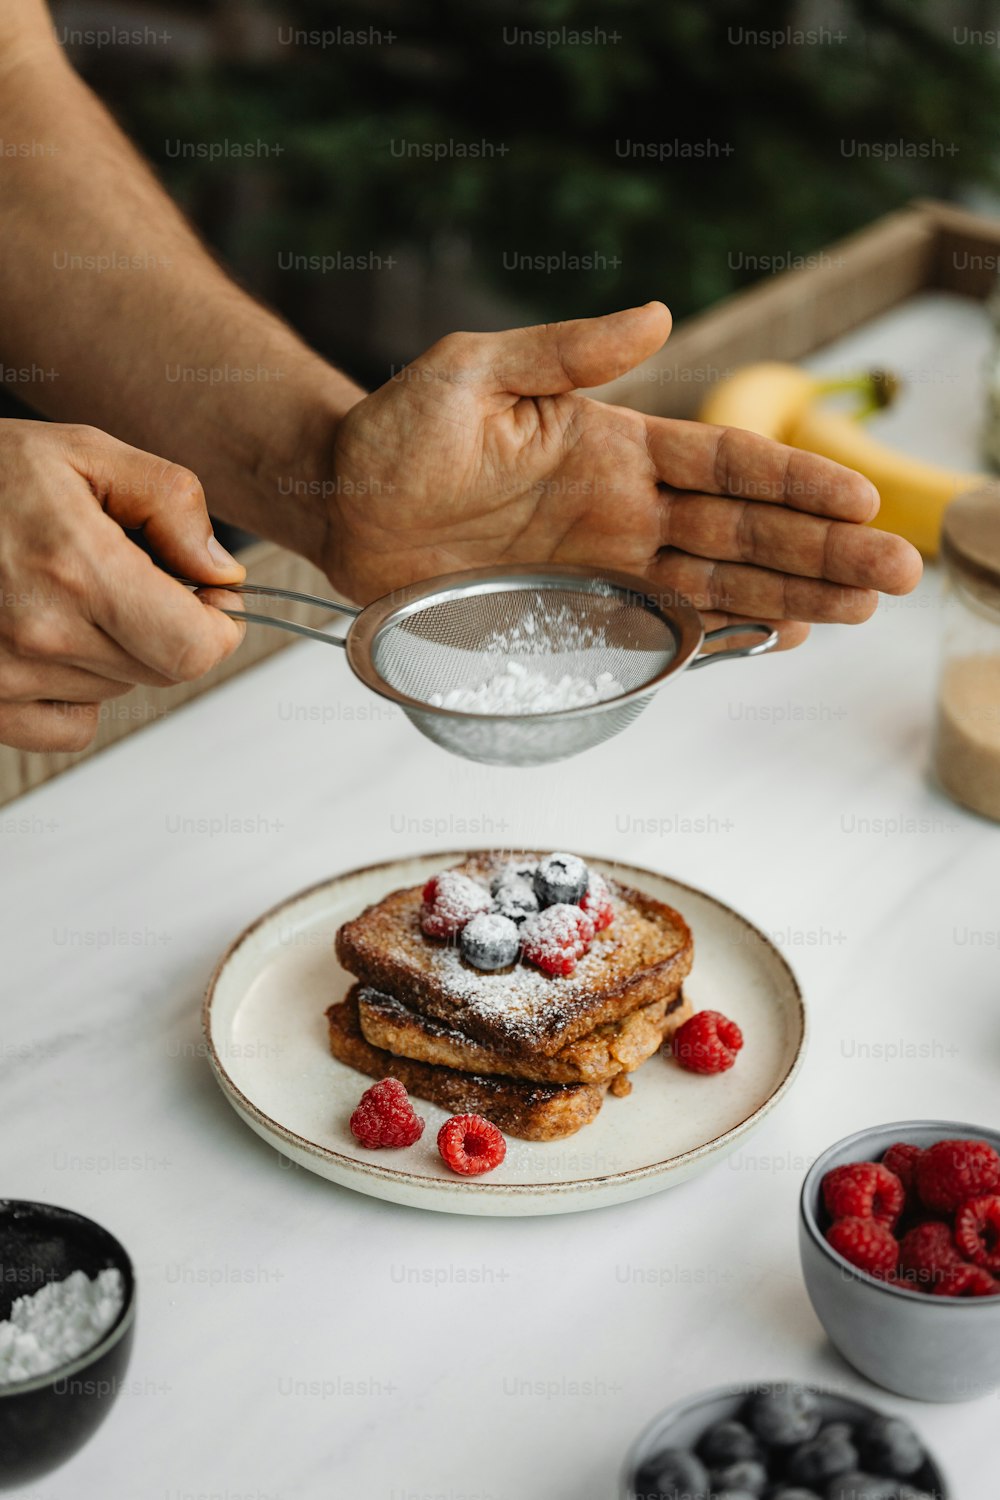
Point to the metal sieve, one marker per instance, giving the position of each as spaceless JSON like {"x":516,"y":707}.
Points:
{"x":460,"y":630}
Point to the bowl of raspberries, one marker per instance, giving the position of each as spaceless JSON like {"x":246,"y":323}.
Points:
{"x":783,"y":1441}
{"x":899,"y":1235}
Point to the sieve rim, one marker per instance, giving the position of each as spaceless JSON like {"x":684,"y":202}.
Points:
{"x":680,"y":617}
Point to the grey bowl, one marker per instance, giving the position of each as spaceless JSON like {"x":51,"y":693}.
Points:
{"x":928,"y":1348}
{"x":682,"y":1424}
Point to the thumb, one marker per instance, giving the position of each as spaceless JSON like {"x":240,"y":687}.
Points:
{"x":163,"y":500}
{"x":556,"y":357}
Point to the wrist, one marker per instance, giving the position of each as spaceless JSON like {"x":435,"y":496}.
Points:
{"x":291,"y":471}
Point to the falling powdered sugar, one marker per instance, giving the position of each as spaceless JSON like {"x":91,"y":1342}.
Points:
{"x":520,"y":690}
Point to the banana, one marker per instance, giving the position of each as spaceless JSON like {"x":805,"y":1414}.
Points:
{"x":914,"y":494}
{"x":764,"y":398}
{"x":785,"y":403}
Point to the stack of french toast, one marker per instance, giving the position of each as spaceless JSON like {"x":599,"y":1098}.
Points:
{"x":522,"y":988}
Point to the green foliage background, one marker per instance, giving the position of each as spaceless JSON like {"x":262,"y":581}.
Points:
{"x":678,"y":228}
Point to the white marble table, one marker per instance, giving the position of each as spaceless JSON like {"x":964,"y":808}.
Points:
{"x":297,"y":1340}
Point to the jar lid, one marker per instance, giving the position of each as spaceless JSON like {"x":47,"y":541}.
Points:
{"x":970,"y":542}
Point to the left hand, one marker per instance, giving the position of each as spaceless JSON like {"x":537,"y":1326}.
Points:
{"x":483,"y":451}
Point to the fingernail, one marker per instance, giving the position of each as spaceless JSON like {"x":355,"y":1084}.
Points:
{"x":219,"y":555}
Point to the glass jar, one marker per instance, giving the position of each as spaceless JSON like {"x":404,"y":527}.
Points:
{"x":967,"y":735}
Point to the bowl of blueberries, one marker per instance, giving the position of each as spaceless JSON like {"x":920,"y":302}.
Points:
{"x":779,"y":1442}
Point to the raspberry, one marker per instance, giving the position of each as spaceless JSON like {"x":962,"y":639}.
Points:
{"x":385,"y":1116}
{"x":556,"y":938}
{"x":926,"y":1254}
{"x":966,"y":1281}
{"x":977,"y":1231}
{"x":902,"y":1159}
{"x":470,"y":1145}
{"x":863,"y":1190}
{"x":867,"y":1244}
{"x":596,"y":902}
{"x":707,"y":1043}
{"x":450,"y":900}
{"x":950,"y":1172}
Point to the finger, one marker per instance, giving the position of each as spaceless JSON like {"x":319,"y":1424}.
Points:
{"x":29,"y":681}
{"x":552,"y":358}
{"x":791,"y":633}
{"x":156,"y":620}
{"x":164,"y":500}
{"x":730,"y":461}
{"x":788,"y":541}
{"x":48,"y":726}
{"x":759,"y":593}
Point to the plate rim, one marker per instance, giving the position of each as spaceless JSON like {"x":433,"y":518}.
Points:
{"x":464,"y":1187}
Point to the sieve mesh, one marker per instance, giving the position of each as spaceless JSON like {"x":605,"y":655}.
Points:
{"x":461,"y":640}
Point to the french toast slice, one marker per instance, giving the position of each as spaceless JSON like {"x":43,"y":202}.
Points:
{"x":610,"y":1049}
{"x":520,"y":1012}
{"x":531,"y":1111}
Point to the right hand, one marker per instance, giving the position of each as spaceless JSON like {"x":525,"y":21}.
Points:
{"x":85,"y":614}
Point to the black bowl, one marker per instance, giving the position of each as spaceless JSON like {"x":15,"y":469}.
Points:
{"x":44,"y":1420}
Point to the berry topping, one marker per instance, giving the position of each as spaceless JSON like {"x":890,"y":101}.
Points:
{"x":471,"y":1145}
{"x":513,"y":871}
{"x":561,"y":879}
{"x":385,"y":1117}
{"x":902,"y":1159}
{"x":966,"y":1281}
{"x":950,"y":1172}
{"x":926,"y":1253}
{"x":727,"y":1443}
{"x":596,"y":902}
{"x":450,"y":900}
{"x":888,"y":1445}
{"x":830,"y":1453}
{"x":489,"y":941}
{"x":707,"y":1043}
{"x":515,"y":899}
{"x":977,"y":1231}
{"x":557,"y":938}
{"x":867,"y":1244}
{"x":863,"y":1190}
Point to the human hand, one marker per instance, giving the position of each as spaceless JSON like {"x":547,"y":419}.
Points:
{"x":483,"y":451}
{"x":85,"y":613}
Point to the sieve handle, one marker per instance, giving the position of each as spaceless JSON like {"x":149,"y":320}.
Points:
{"x":272,"y":593}
{"x":706,"y":658}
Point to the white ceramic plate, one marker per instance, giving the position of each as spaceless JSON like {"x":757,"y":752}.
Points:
{"x":266,"y":1033}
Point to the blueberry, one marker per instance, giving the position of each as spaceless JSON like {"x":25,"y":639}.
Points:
{"x":490,"y":941}
{"x":678,"y":1474}
{"x":748,"y":1476}
{"x":514,"y":870}
{"x":727,"y":1443}
{"x":561,"y":878}
{"x":784,"y":1414}
{"x":830,"y":1453}
{"x":890,"y":1446}
{"x":515,"y":899}
{"x":861,"y":1487}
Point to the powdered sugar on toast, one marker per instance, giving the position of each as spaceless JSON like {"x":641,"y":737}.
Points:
{"x":644,"y":954}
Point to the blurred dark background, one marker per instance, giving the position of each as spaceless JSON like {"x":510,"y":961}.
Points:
{"x":479,"y":165}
